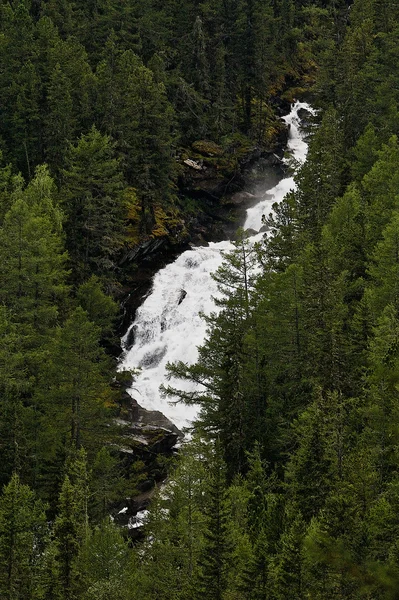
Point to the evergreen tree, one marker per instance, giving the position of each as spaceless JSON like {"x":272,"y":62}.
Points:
{"x":71,"y":528}
{"x":141,"y":126}
{"x":212,"y":579}
{"x":312,"y":469}
{"x":73,"y":393}
{"x":264,"y":523}
{"x":93,"y":204}
{"x":287,"y":566}
{"x":175,"y":528}
{"x":219,"y":370}
{"x":33,"y":258}
{"x":100,"y":307}
{"x":23,"y":533}
{"x":320,"y":179}
{"x":60,"y":125}
{"x":106,"y":561}
{"x":17,"y":427}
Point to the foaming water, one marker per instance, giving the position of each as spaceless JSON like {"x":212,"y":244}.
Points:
{"x":297,"y":149}
{"x":168,"y":326}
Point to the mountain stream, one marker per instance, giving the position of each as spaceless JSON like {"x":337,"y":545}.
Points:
{"x":168,"y":326}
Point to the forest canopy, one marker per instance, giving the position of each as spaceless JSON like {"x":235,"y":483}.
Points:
{"x":289,"y":486}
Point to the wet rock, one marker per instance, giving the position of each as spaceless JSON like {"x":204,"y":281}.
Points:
{"x":182,"y":295}
{"x":241,"y":198}
{"x":152,"y":359}
{"x":193,"y":164}
{"x":306,"y":118}
{"x":304,"y":114}
{"x":130,"y":337}
{"x":250,"y":232}
{"x":148,"y":438}
{"x":281,"y":107}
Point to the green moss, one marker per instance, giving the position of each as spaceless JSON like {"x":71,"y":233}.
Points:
{"x":207,"y":148}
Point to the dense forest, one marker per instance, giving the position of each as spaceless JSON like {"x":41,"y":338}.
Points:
{"x":289,"y":485}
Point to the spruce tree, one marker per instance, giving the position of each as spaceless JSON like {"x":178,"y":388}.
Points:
{"x":60,"y":123}
{"x":71,"y":527}
{"x":73,"y":393}
{"x":93,"y":205}
{"x":213,"y":562}
{"x":106,"y":563}
{"x":222,"y":392}
{"x":33,"y":258}
{"x":23,"y":534}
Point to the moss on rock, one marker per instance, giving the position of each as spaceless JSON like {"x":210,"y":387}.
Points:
{"x":207,"y":148}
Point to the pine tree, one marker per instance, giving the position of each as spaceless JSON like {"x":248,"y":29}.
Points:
{"x":23,"y":534}
{"x":222,"y":394}
{"x":143,"y":133}
{"x":320,"y":179}
{"x":17,"y":422}
{"x":200,"y":66}
{"x":383,"y":268}
{"x":20,"y":87}
{"x":264,"y":525}
{"x":106,"y":563}
{"x":107,"y":484}
{"x":93,"y":205}
{"x":31,"y":251}
{"x":379,"y":190}
{"x":100,"y":307}
{"x":73,"y":393}
{"x":212,"y":578}
{"x":175,"y":528}
{"x":60,"y":123}
{"x":287,"y":565}
{"x":312,"y":470}
{"x":71,"y":527}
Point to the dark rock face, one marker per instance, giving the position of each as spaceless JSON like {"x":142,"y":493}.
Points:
{"x":306,"y":118}
{"x":281,"y":107}
{"x":183,"y":294}
{"x":241,"y":199}
{"x":209,"y":182}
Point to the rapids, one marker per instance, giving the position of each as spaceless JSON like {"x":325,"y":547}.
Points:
{"x":167,"y":326}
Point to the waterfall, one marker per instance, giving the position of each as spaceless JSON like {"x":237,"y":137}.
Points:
{"x":167,"y":327}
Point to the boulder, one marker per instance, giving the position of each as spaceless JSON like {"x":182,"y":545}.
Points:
{"x":241,"y":198}
{"x":250,"y":232}
{"x":193,"y":164}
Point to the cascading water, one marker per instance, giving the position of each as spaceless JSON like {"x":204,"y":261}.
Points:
{"x":167,"y":327}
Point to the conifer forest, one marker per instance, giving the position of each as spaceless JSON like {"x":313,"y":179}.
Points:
{"x":286,"y":487}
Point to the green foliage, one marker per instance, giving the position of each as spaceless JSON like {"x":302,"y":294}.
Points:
{"x":73,"y":391}
{"x":100,"y":307}
{"x":71,"y":527}
{"x":290,"y":490}
{"x":105,"y":562}
{"x":223,"y":396}
{"x":93,"y":204}
{"x":23,"y":534}
{"x":33,"y":274}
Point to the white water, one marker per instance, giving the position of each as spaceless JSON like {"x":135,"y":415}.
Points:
{"x":297,"y":149}
{"x":167,"y":327}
